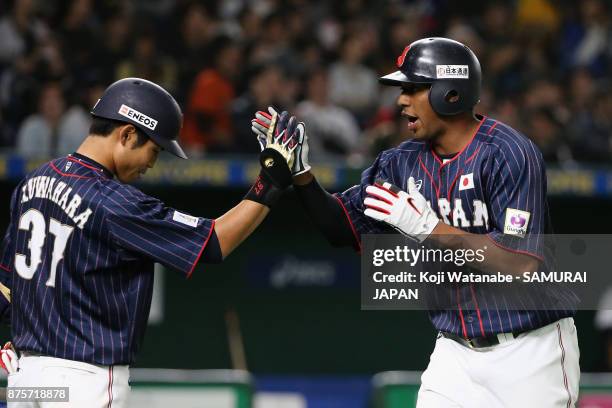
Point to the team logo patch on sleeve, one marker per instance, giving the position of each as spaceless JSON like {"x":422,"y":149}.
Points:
{"x":452,"y":71}
{"x":466,"y":181}
{"x":516,"y":222}
{"x":185,"y":219}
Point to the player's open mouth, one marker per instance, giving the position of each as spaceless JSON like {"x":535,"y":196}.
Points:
{"x":412,"y":121}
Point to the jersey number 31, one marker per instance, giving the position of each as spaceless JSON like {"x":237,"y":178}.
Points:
{"x":34,"y":220}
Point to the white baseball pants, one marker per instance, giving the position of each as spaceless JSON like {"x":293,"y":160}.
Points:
{"x":538,"y":369}
{"x":90,"y":385}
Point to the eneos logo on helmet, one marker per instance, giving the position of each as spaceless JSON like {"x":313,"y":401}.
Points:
{"x":452,"y":71}
{"x":136,"y":116}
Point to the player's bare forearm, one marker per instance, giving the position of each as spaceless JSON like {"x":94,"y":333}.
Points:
{"x":497,"y":259}
{"x":237,"y":224}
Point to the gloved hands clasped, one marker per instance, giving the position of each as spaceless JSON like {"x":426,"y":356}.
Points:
{"x":278,"y":145}
{"x":261,"y":125}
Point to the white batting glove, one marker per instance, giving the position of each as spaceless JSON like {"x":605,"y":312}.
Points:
{"x":407,"y":212}
{"x":260,"y":125}
{"x":8,"y":359}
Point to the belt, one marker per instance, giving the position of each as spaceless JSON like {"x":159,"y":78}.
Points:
{"x":25,"y":353}
{"x":481,"y":342}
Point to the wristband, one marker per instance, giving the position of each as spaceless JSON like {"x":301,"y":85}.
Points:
{"x":264,"y":191}
{"x":274,"y":177}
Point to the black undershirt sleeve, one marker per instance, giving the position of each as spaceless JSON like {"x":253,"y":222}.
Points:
{"x":327,"y":214}
{"x":212,"y":252}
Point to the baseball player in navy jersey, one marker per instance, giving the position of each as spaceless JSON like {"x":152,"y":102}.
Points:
{"x":465,"y":181}
{"x":79,"y":252}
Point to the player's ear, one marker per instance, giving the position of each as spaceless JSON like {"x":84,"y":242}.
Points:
{"x":127,"y":134}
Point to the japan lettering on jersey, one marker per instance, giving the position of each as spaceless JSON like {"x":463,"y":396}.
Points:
{"x":79,"y":255}
{"x":496,"y":186}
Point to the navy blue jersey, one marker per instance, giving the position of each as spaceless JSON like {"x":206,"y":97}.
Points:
{"x":496,"y":186}
{"x":79,"y":255}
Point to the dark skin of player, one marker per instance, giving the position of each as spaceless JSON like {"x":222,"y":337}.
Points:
{"x":119,"y":153}
{"x":448,"y":135}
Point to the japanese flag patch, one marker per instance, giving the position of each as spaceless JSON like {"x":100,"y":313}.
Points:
{"x":516,"y":222}
{"x":466,"y":181}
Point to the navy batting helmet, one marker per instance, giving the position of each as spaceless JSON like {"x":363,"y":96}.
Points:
{"x":450,"y":67}
{"x":147,"y":106}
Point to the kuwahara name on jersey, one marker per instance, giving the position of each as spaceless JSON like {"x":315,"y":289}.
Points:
{"x":49,"y":188}
{"x":480,"y":216}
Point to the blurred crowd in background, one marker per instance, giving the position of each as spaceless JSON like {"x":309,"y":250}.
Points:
{"x":546,"y":68}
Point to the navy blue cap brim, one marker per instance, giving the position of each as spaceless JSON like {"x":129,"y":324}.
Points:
{"x":172,"y":146}
{"x":396,"y":78}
